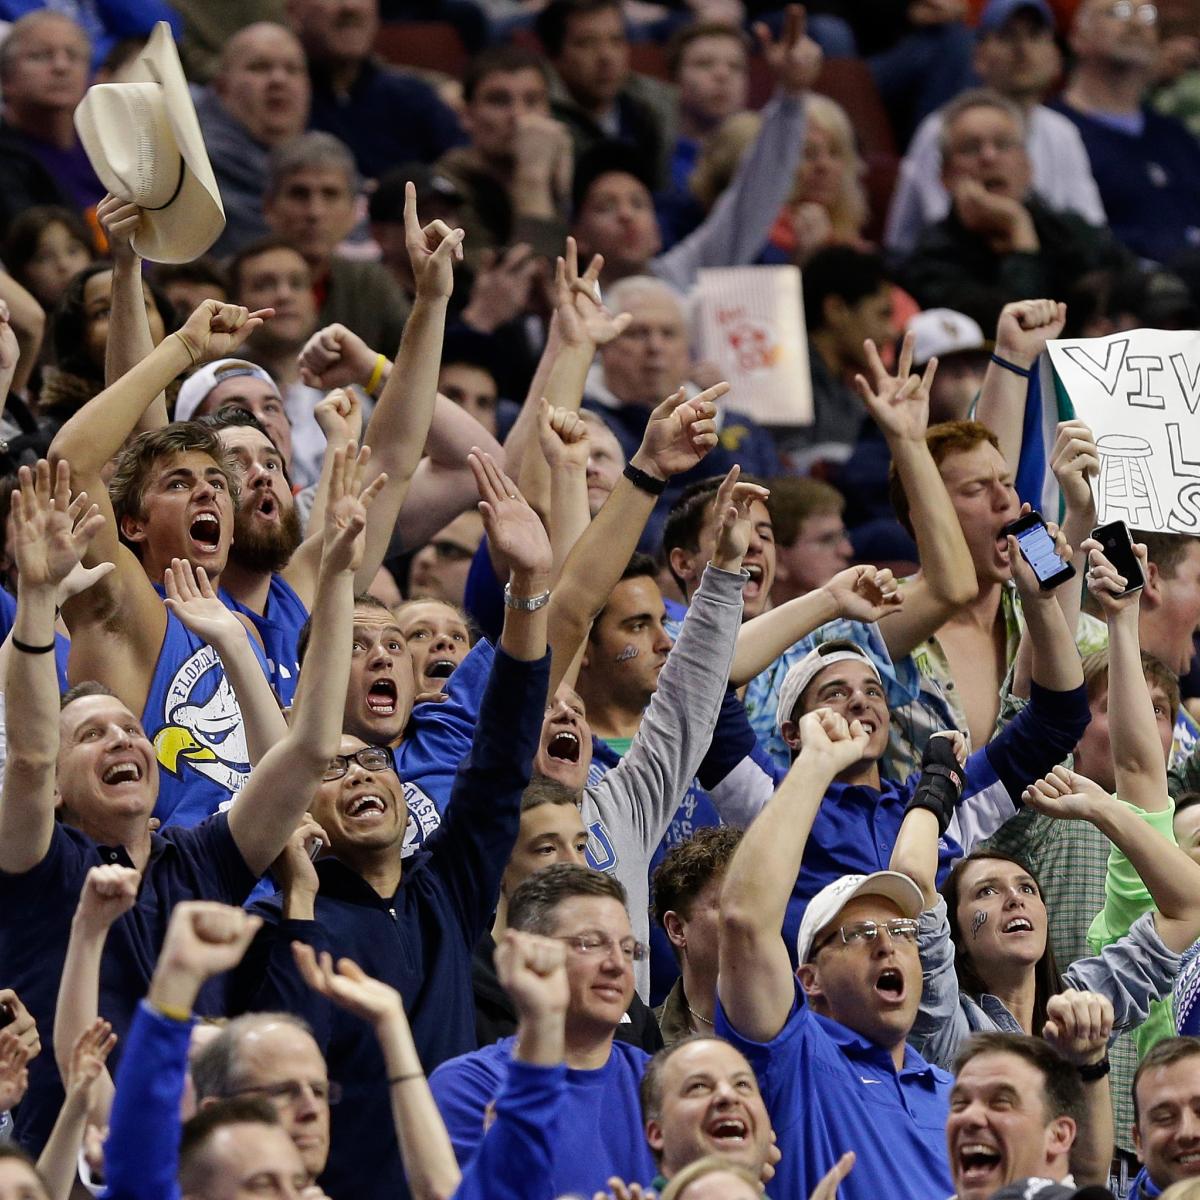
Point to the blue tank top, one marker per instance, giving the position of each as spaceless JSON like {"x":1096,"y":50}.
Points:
{"x":194,"y":721}
{"x":279,"y":627}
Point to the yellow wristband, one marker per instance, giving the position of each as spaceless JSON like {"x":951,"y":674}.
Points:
{"x":171,"y":1012}
{"x":376,"y":374}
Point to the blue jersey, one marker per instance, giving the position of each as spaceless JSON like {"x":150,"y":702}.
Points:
{"x":436,"y":739}
{"x":193,"y":719}
{"x":283,"y":616}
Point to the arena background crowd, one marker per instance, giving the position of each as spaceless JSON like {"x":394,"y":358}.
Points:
{"x":451,"y":749}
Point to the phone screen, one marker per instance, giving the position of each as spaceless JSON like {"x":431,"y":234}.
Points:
{"x":1037,"y":548}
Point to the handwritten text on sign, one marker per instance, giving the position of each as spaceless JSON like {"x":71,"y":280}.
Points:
{"x":1139,"y":392}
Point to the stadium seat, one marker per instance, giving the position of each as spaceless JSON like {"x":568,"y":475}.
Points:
{"x":431,"y":45}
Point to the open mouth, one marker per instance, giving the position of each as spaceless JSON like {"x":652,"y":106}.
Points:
{"x":381,"y":698}
{"x":756,"y":575}
{"x":976,"y":1161}
{"x":366,"y":807}
{"x":868,"y":725}
{"x":122,"y":772}
{"x":1017,"y":925}
{"x":1190,"y":1162}
{"x":267,"y":507}
{"x":205,"y":531}
{"x":890,"y":984}
{"x":440,"y":668}
{"x":728,"y":1131}
{"x":564,"y":746}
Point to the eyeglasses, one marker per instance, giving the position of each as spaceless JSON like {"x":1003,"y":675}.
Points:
{"x":370,"y":758}
{"x":289,"y":1092}
{"x":1143,"y":14}
{"x":864,"y":933}
{"x":596,"y":943}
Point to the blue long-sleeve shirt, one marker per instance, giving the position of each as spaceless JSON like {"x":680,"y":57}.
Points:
{"x":141,"y":1156}
{"x":516,"y":1155}
{"x":420,"y":940}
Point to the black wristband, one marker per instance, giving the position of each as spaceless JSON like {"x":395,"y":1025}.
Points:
{"x":1024,"y":372}
{"x":26,"y":648}
{"x":941,"y":782}
{"x":1090,"y":1072}
{"x":643,"y":482}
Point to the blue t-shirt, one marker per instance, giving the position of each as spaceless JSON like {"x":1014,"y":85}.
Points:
{"x":193,"y":719}
{"x":828,"y":1090}
{"x":279,"y":626}
{"x":599,"y":1124}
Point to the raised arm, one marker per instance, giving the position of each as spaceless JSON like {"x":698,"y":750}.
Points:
{"x":1022,"y":332}
{"x":581,"y":324}
{"x":900,"y":405}
{"x":203,"y":940}
{"x":1047,"y":653}
{"x":102,"y":426}
{"x":1171,"y":876}
{"x":1140,"y":768}
{"x":28,"y":321}
{"x":1075,"y":461}
{"x":85,"y":1068}
{"x":755,"y":982}
{"x":425,"y":1150}
{"x":129,"y":338}
{"x":1079,"y":1026}
{"x":858,"y":594}
{"x":521,"y":541}
{"x":280,"y":788}
{"x":107,"y":893}
{"x":679,"y":434}
{"x":740,"y":222}
{"x":191,"y":598}
{"x":400,"y":423}
{"x":50,"y":534}
{"x":564,"y":446}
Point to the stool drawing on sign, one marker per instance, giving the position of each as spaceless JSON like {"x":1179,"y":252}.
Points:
{"x":1125,"y":487}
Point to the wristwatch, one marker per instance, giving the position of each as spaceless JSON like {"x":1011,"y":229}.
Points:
{"x":525,"y":603}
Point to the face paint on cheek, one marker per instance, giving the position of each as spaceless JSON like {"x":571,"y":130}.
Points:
{"x":626,"y":654}
{"x":978,"y":921}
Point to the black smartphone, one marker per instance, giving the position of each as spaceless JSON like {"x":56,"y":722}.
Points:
{"x":1118,"y":549}
{"x":7,"y":1016}
{"x":1037,"y":549}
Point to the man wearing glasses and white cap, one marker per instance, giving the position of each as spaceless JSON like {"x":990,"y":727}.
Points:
{"x":828,"y":1041}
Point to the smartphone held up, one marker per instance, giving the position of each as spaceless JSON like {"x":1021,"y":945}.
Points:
{"x":1038,"y":550}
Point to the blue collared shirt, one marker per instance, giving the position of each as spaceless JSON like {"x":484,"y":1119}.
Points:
{"x":829,"y":1090}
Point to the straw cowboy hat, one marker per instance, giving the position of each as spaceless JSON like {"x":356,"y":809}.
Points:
{"x":145,"y":144}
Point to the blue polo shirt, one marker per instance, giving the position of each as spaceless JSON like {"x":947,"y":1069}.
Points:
{"x":200,"y":863}
{"x":829,"y":1090}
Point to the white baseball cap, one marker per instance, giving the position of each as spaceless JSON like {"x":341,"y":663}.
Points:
{"x":941,"y":332}
{"x":824,"y":907}
{"x":144,"y":142}
{"x":812,"y":664}
{"x":195,"y":388}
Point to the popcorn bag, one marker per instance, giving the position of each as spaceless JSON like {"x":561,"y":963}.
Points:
{"x":750,"y":322}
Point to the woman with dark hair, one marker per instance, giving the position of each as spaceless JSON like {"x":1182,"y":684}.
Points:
{"x":78,"y":339}
{"x":985,"y":953}
{"x":46,"y":246}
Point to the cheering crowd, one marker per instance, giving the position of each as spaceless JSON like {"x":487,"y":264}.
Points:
{"x":451,"y":748}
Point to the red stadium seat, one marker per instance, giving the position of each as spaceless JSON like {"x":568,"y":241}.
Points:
{"x":431,"y":45}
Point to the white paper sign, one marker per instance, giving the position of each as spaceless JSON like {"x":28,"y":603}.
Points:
{"x":1139,"y":392}
{"x":750,"y":322}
